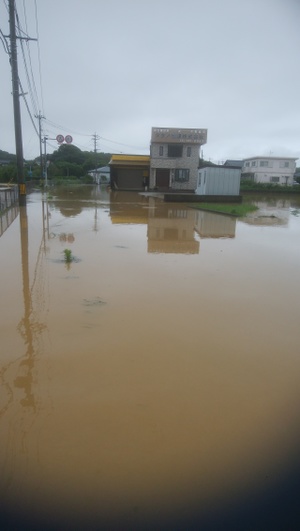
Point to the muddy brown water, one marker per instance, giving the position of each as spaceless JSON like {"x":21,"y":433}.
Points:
{"x":156,"y":376}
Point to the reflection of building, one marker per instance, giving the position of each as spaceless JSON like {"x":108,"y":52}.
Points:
{"x":7,"y":217}
{"x":171,"y":230}
{"x":275,"y":170}
{"x":129,"y":172}
{"x":175,"y":158}
{"x":219,"y":180}
{"x":125,"y":209}
{"x":211,"y":225}
{"x":268,"y":214}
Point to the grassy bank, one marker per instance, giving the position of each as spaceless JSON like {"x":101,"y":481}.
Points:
{"x":232,"y":209}
{"x":250,"y":186}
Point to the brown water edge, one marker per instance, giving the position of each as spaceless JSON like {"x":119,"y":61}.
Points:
{"x":136,"y":383}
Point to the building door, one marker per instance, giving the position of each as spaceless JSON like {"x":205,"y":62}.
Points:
{"x":162,"y":178}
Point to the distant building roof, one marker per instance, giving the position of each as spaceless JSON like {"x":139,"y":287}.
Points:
{"x":272,"y":158}
{"x":234,"y":163}
{"x":228,"y":167}
{"x":130,"y":160}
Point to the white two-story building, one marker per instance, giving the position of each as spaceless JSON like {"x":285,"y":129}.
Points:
{"x":274,"y":170}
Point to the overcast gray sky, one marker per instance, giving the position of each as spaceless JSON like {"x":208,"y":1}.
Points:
{"x":119,"y":67}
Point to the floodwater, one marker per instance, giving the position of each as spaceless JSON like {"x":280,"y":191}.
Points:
{"x":153,"y":382}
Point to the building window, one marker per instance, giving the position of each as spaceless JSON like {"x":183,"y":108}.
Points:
{"x":247,"y":164}
{"x":175,"y":150}
{"x":263,"y":163}
{"x":274,"y":179}
{"x":284,"y":164}
{"x":188,"y":151}
{"x":182,"y":175}
{"x":161,"y":151}
{"x":253,"y":163}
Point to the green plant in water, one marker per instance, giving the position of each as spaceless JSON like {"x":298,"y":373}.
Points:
{"x":68,"y":255}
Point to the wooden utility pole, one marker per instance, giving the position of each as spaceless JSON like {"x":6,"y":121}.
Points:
{"x":16,"y":103}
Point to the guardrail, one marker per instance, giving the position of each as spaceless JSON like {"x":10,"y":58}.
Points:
{"x":7,"y":217}
{"x":9,"y":194}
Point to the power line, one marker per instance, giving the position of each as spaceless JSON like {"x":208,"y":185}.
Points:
{"x":39,"y":52}
{"x":30,"y":80}
{"x":27,"y":107}
{"x":4,"y":42}
{"x":67,"y":129}
{"x":125,"y":145}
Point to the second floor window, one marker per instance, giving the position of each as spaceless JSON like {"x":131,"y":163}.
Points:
{"x":175,"y":150}
{"x":188,"y":151}
{"x":263,"y":163}
{"x":284,"y":164}
{"x":161,"y":151}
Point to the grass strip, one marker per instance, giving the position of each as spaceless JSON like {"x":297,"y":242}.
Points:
{"x":232,"y":209}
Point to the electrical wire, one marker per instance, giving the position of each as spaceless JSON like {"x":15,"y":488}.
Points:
{"x":39,"y":53}
{"x":30,"y":80}
{"x":121,"y":144}
{"x":4,"y":42}
{"x":29,"y":56}
{"x":27,"y":107}
{"x":66,"y":128}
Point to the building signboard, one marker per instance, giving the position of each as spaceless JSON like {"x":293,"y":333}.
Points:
{"x":176,"y":135}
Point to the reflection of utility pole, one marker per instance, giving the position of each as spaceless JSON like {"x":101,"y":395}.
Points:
{"x":16,"y":103}
{"x":25,"y":382}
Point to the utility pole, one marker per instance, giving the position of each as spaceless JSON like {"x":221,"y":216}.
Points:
{"x":95,"y":138}
{"x":45,"y":161}
{"x":16,"y":103}
{"x":40,"y":117}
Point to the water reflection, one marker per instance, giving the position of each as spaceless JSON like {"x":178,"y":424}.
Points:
{"x":272,"y":211}
{"x":7,"y":217}
{"x":171,"y":229}
{"x":210,"y":225}
{"x":169,"y":384}
{"x":21,"y":401}
{"x":128,"y":208}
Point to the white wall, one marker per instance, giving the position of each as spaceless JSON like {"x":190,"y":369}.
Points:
{"x":218,"y":181}
{"x":271,"y":169}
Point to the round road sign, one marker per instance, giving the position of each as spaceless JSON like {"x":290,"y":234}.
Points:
{"x":68,"y":139}
{"x":60,"y":139}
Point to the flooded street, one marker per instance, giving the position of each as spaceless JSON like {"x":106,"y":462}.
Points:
{"x":155,"y":378}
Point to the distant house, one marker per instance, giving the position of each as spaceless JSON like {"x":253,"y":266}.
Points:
{"x":129,"y":172}
{"x":218,"y":180}
{"x":276,"y":170}
{"x":100,"y":175}
{"x":234,"y":163}
{"x":297,"y":175}
{"x":174,"y":158}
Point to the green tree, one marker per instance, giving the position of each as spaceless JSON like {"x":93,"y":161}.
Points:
{"x":8,"y":173}
{"x":67,"y":153}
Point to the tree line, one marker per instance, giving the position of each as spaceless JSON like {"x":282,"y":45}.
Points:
{"x":67,"y":162}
